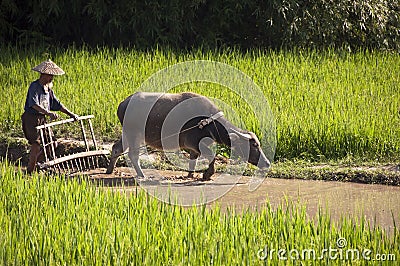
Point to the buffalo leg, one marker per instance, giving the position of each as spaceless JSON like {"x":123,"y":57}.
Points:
{"x":115,"y":153}
{"x":192,"y":163}
{"x":209,"y":155}
{"x":210,"y":171}
{"x":134,"y":157}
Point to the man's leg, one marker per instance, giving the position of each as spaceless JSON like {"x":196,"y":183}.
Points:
{"x":33,"y":156}
{"x":29,"y":123}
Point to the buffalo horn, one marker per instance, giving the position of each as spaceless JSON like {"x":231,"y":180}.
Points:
{"x":243,"y":135}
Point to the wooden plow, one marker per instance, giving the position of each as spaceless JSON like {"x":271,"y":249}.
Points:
{"x":72,"y":163}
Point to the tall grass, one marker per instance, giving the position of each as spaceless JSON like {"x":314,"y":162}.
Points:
{"x":327,"y":105}
{"x":46,"y":221}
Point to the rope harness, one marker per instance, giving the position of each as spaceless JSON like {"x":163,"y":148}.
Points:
{"x":208,"y":121}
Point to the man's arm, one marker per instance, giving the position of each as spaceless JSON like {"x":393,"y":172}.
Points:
{"x":41,"y":110}
{"x":68,"y":112}
{"x":56,"y":105}
{"x":54,"y":115}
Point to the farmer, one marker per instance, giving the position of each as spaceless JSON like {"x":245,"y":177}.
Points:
{"x":41,"y":102}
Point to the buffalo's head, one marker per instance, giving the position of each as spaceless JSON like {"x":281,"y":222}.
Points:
{"x":248,"y":147}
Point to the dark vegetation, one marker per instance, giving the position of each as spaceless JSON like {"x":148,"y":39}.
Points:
{"x":373,"y":24}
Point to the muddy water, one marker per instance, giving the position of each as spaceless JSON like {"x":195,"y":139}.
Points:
{"x":375,"y":203}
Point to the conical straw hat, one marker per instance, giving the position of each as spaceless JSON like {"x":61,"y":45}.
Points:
{"x":48,"y":67}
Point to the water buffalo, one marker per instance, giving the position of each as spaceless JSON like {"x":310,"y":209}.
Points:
{"x":185,"y":121}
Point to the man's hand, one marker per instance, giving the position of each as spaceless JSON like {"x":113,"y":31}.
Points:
{"x":74,"y":116}
{"x":53,"y":116}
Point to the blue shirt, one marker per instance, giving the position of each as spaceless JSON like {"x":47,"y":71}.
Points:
{"x":37,"y":95}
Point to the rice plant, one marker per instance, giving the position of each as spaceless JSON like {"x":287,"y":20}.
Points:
{"x":57,"y":221}
{"x":327,"y":104}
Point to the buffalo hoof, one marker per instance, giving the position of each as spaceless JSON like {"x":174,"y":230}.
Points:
{"x":207,"y":176}
{"x":109,"y":171}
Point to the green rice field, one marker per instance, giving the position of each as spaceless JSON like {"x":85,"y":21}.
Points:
{"x":53,"y":221}
{"x":327,"y":105}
